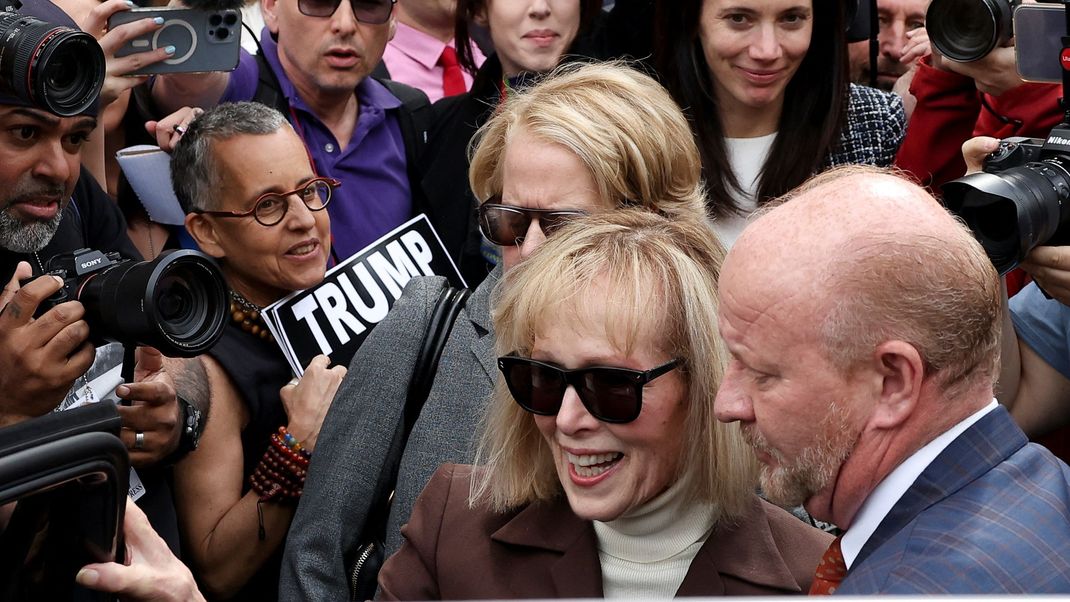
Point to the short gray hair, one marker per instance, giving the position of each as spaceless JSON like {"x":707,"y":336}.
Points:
{"x":194,"y":170}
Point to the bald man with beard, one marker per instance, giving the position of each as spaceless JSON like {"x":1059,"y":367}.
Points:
{"x":863,"y":323}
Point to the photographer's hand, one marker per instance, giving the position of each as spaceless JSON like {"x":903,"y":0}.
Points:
{"x":153,"y":573}
{"x":118,"y":68}
{"x":994,"y":74}
{"x":39,"y":358}
{"x":976,"y":149}
{"x":1050,"y":267}
{"x":169,"y":130}
{"x":154,"y":411}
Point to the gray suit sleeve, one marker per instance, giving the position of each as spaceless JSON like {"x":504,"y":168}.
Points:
{"x":353,"y":444}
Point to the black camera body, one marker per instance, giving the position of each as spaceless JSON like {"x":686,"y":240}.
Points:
{"x":176,"y":303}
{"x":55,"y":67}
{"x":73,"y":268}
{"x":1021,"y":200}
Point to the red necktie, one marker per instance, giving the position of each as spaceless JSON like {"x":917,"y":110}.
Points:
{"x":830,"y":572}
{"x":452,"y":77}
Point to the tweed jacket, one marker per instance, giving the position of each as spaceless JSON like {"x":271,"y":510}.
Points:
{"x":988,"y":516}
{"x":875,"y":127}
{"x":543,"y":550}
{"x":358,"y":433}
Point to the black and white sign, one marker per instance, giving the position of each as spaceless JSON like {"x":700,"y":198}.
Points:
{"x":334,"y":317}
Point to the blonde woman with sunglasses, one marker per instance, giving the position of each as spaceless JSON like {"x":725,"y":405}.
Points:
{"x":588,"y":139}
{"x":602,"y":470}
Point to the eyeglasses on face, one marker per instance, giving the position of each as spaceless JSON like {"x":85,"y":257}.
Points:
{"x":372,"y":12}
{"x":271,"y":207}
{"x":610,"y":394}
{"x":506,"y":225}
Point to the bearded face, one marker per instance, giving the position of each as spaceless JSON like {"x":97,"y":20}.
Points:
{"x":791,"y":481}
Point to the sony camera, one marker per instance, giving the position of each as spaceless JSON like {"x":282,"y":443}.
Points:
{"x":176,"y":303}
{"x":1021,"y":200}
{"x":57,"y":68}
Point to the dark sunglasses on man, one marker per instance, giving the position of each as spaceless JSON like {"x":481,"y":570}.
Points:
{"x":506,"y":225}
{"x":610,"y":394}
{"x":372,"y":12}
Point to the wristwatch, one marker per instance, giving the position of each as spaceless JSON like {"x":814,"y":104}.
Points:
{"x":192,"y":428}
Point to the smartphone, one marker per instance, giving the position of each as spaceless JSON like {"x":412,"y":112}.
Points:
{"x":1038,"y":47}
{"x":204,"y":40}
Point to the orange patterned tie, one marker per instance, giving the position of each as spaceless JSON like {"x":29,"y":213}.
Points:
{"x":830,"y":572}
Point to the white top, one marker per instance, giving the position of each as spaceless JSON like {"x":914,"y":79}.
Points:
{"x":251,"y":16}
{"x":887,"y":493}
{"x":747,"y":157}
{"x":646,"y":553}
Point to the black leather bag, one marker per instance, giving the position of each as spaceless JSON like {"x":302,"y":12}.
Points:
{"x":69,"y":473}
{"x":370,"y":554}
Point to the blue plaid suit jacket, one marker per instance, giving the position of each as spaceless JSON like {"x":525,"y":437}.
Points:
{"x":990,"y":515}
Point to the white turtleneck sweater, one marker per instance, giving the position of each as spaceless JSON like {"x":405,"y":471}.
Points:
{"x":646,"y":552}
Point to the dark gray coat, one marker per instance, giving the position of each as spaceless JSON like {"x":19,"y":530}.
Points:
{"x":360,"y":425}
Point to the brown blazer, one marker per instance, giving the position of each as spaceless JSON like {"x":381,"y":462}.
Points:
{"x":543,"y":550}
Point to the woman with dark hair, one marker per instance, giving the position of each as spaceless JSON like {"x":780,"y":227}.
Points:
{"x":765,"y":86}
{"x":530,"y":37}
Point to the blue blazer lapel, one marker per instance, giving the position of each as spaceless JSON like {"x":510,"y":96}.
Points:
{"x":990,"y":440}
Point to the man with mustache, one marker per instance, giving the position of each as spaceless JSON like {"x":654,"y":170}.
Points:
{"x":315,"y":68}
{"x":49,"y":205}
{"x":862,"y":366}
{"x":896,"y":18}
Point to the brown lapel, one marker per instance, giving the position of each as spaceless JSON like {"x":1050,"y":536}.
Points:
{"x":744,"y":550}
{"x":552,"y":526}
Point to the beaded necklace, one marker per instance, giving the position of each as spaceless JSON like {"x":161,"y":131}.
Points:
{"x":247,"y":315}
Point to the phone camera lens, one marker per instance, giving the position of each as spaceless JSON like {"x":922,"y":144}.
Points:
{"x":222,"y":33}
{"x":215,"y":20}
{"x":230,"y":19}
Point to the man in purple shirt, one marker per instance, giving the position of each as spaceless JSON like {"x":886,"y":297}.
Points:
{"x":319,"y":54}
{"x":422,"y":49}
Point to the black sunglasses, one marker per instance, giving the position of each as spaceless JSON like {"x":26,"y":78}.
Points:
{"x":609,"y":394}
{"x":372,"y":12}
{"x":506,"y":225}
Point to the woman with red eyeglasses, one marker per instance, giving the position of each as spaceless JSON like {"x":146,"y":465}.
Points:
{"x":601,"y":469}
{"x":253,"y":202}
{"x":588,"y":139}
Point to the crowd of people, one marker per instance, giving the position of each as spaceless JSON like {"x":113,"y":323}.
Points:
{"x":722,"y":338}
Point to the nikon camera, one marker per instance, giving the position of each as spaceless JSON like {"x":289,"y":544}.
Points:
{"x":176,"y":303}
{"x":1021,"y":199}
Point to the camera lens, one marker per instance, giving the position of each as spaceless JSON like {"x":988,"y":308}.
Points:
{"x":176,"y":303}
{"x":222,"y":33}
{"x":57,"y":68}
{"x":1015,"y":210}
{"x":967,"y":30}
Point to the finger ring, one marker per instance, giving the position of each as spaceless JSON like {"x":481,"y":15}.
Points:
{"x":139,"y":440}
{"x":180,"y":129}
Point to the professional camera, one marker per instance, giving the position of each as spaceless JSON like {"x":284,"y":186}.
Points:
{"x":176,"y":303}
{"x":60,"y":69}
{"x":1021,"y":200}
{"x":967,"y":30}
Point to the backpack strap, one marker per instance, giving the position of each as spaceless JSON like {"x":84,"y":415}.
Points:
{"x":415,"y":120}
{"x":268,"y":89}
